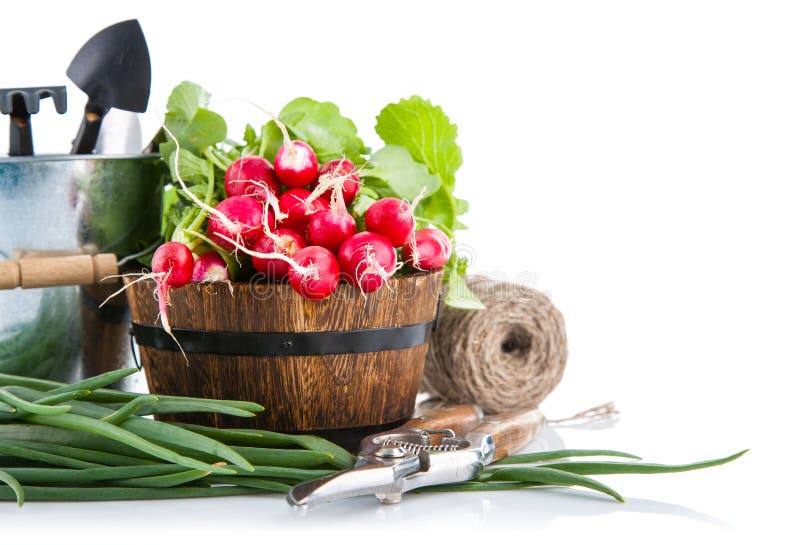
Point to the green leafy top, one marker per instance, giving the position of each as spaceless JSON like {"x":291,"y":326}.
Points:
{"x":421,"y":152}
{"x":321,"y":126}
{"x":192,"y":124}
{"x":426,"y":132}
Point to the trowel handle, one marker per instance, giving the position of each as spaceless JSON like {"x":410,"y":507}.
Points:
{"x":511,"y":430}
{"x":86,"y":139}
{"x":20,"y":136}
{"x":44,"y":272}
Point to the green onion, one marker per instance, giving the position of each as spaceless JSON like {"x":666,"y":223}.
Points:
{"x":341,"y":458}
{"x":475,"y":486}
{"x":43,"y":457}
{"x":251,"y":482}
{"x":271,"y":456}
{"x":60,"y":436}
{"x":45,"y":475}
{"x":115,"y":396}
{"x":98,"y":381}
{"x":164,"y":481}
{"x":153,"y":430}
{"x":557,"y":454}
{"x":83,"y":423}
{"x":548,"y":476}
{"x":29,"y":407}
{"x":64,"y":396}
{"x":103,"y":444}
{"x":129,"y":409}
{"x":14,"y":485}
{"x":291,"y":472}
{"x":87,"y":455}
{"x":58,"y":493}
{"x":35,"y":383}
{"x":103,"y":395}
{"x":612,"y":468}
{"x":173,"y":407}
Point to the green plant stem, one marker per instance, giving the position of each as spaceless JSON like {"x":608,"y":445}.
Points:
{"x":51,"y":475}
{"x":44,"y":457}
{"x":14,"y":485}
{"x":558,"y":454}
{"x":246,"y":437}
{"x":251,"y":482}
{"x":91,"y":425}
{"x":30,"y":407}
{"x":86,"y":455}
{"x":129,"y":409}
{"x":613,"y":468}
{"x":53,"y":493}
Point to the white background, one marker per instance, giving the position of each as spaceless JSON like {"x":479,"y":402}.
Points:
{"x":639,"y":158}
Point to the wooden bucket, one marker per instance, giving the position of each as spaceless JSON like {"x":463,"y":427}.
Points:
{"x":340,"y":368}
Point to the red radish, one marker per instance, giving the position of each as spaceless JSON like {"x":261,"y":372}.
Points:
{"x":330,"y":228}
{"x":429,"y":249}
{"x":210,"y":267}
{"x":172,"y":266}
{"x":321,"y":281}
{"x":296,"y":164}
{"x":283,"y":241}
{"x":244,"y":171}
{"x":392,"y":218}
{"x":368,"y":260}
{"x":246,"y":221}
{"x":293,"y":203}
{"x":345,"y":169}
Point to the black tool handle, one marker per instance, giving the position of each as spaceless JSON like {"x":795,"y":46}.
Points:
{"x":86,"y":139}
{"x":20,"y":136}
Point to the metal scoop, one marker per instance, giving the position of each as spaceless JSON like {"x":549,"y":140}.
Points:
{"x":113,"y":69}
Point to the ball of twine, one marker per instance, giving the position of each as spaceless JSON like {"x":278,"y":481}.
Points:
{"x":510,"y":355}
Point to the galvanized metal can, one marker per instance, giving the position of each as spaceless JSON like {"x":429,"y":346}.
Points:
{"x":51,"y":205}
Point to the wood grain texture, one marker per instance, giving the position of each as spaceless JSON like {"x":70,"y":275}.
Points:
{"x":512,"y":430}
{"x":72,"y":270}
{"x":459,"y":418}
{"x":325,"y":392}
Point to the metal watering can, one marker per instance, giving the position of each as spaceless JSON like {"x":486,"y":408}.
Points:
{"x":66,"y":206}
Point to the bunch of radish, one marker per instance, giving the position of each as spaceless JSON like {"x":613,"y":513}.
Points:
{"x":290,"y":219}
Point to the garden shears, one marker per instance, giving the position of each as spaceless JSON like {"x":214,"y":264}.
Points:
{"x":448,"y":445}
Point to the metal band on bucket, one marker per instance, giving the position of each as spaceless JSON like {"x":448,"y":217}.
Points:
{"x":306,"y":343}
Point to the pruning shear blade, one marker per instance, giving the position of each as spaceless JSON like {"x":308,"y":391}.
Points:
{"x":425,"y":452}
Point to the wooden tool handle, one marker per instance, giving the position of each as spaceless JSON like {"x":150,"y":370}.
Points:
{"x":459,"y":418}
{"x":74,"y":270}
{"x":24,"y":253}
{"x":511,"y":430}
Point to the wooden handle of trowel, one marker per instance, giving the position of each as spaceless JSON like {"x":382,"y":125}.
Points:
{"x":44,"y":272}
{"x":512,"y":430}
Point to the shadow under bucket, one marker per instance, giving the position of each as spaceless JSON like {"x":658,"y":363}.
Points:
{"x":340,"y":368}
